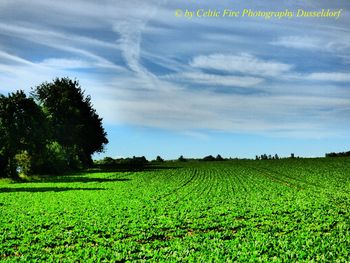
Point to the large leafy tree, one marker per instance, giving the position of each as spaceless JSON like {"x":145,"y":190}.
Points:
{"x":74,"y":122}
{"x":22,"y":128}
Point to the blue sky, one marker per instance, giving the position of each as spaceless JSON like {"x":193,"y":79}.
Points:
{"x":171,"y":86}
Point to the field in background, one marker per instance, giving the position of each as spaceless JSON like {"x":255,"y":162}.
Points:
{"x":273,"y":210}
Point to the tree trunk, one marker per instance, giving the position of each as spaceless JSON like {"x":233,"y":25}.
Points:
{"x":12,"y":168}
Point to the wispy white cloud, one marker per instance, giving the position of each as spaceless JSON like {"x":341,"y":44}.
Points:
{"x":336,"y":42}
{"x":329,"y":76}
{"x":60,"y":41}
{"x":64,"y":63}
{"x":242,"y":63}
{"x":215,"y":80}
{"x":299,"y":42}
{"x":187,"y":110}
{"x":37,"y":33}
{"x":130,"y":30}
{"x":129,"y":42}
{"x":10,"y":58}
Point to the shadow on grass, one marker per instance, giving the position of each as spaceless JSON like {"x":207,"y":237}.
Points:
{"x":78,"y":179}
{"x":131,"y":168}
{"x":44,"y":189}
{"x":117,"y":172}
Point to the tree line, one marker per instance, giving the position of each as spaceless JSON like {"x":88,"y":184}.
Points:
{"x":339,"y":154}
{"x":54,"y":129}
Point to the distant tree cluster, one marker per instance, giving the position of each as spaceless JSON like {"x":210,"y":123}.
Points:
{"x":339,"y":154}
{"x":134,"y":163}
{"x":53,"y":130}
{"x":159,"y":159}
{"x":212,"y":158}
{"x":267,"y":157}
{"x":181,"y":159}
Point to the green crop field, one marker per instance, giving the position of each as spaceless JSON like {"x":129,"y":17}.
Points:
{"x":284,"y":210}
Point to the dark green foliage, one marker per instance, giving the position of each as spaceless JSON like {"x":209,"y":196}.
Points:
{"x":134,"y":163}
{"x":219,"y":158}
{"x":181,"y":159}
{"x":56,"y":159}
{"x":212,"y":158}
{"x":3,"y":164}
{"x":159,"y":159}
{"x":23,"y":163}
{"x":22,"y":128}
{"x":340,"y":154}
{"x":107,"y":161}
{"x":73,"y":121}
{"x":267,"y":157}
{"x":208,"y":158}
{"x":59,"y":134}
{"x":263,"y":157}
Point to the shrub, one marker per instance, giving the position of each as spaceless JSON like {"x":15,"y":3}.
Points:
{"x":181,"y":159}
{"x":56,"y":159}
{"x":23,"y":163}
{"x":159,"y":159}
{"x":209,"y":158}
{"x":219,"y":158}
